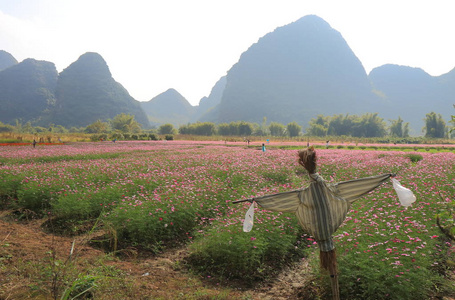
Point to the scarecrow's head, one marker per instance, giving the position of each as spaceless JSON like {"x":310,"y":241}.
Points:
{"x":308,"y":158}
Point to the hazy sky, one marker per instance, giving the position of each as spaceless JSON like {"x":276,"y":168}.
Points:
{"x":153,"y":45}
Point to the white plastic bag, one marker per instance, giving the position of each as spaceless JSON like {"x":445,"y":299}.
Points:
{"x":249,"y":219}
{"x":405,"y":195}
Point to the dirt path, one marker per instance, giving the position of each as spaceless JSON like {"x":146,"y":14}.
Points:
{"x":25,"y":251}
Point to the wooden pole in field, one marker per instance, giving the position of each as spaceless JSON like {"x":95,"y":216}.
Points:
{"x":328,"y":262}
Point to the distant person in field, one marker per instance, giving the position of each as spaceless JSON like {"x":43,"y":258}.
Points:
{"x":34,"y":143}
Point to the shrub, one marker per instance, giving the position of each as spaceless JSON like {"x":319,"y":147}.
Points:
{"x":36,"y":196}
{"x":169,"y":137}
{"x":153,"y":225}
{"x":414,"y":157}
{"x":117,"y":136}
{"x":9,"y":184}
{"x":153,"y":137}
{"x":226,"y":251}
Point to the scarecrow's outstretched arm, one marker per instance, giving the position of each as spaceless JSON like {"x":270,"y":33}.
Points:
{"x":352,"y":189}
{"x":284,"y":202}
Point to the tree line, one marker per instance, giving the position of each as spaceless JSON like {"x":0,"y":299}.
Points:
{"x":366,"y":125}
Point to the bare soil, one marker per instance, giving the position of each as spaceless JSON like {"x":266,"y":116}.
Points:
{"x":25,"y":248}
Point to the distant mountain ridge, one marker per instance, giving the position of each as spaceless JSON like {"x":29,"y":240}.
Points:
{"x":33,"y":91}
{"x":294,"y":73}
{"x":27,"y":91}
{"x":412,"y":93}
{"x":169,"y":107}
{"x":87,"y":92}
{"x":6,"y":60}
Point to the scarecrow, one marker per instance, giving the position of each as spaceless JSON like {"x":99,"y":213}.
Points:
{"x":322,"y":207}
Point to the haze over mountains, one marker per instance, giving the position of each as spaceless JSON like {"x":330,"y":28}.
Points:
{"x":294,"y":73}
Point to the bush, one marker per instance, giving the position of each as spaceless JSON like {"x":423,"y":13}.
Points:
{"x":9,"y":184}
{"x":226,"y":251}
{"x":153,"y":137}
{"x":98,"y":137}
{"x":36,"y":196}
{"x":169,"y":137}
{"x":414,"y":157}
{"x":152,"y":225}
{"x":117,"y":136}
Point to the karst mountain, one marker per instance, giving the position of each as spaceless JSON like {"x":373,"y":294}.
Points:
{"x":294,"y":73}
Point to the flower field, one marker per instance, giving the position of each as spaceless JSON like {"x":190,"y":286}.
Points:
{"x":161,"y":195}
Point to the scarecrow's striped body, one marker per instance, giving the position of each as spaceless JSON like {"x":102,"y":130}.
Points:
{"x":321,"y":207}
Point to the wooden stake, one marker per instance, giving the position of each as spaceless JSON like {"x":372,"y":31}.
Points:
{"x":328,"y":260}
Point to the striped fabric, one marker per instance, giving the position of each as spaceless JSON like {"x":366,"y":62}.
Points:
{"x":321,"y":207}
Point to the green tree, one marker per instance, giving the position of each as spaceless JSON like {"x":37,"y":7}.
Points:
{"x":224,"y":129}
{"x":97,"y":127}
{"x":167,"y":129}
{"x":341,"y":125}
{"x":185,"y":129}
{"x":293,"y":129}
{"x":318,"y":126}
{"x":277,"y":129}
{"x":125,"y":123}
{"x":435,"y":126}
{"x":234,"y":128}
{"x":452,"y":121}
{"x":263,"y":130}
{"x":398,"y":129}
{"x":369,"y":125}
{"x":205,"y":128}
{"x":6,"y":127}
{"x":245,"y":128}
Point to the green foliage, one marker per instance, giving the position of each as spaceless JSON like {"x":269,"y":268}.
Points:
{"x":87,"y":205}
{"x":367,"y":125}
{"x":166,"y":129}
{"x":98,"y":127}
{"x":125,"y":123}
{"x":227,"y":251}
{"x":277,"y":129}
{"x":452,"y":121}
{"x":37,"y":196}
{"x":414,"y":157}
{"x":366,"y":279}
{"x":293,"y":129}
{"x":6,"y":127}
{"x":319,"y":126}
{"x":9,"y":185}
{"x":98,"y":137}
{"x":239,"y":128}
{"x":154,"y":225}
{"x":169,"y":137}
{"x":398,"y":129}
{"x":435,"y":126}
{"x":205,"y":129}
{"x":153,"y":137}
